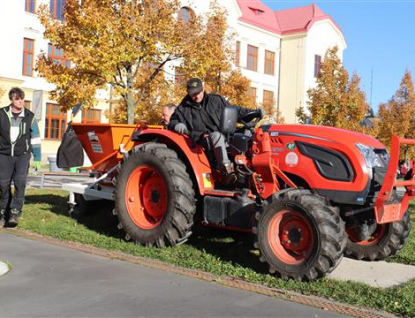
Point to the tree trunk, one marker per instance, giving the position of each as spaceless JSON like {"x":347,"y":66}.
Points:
{"x":130,"y":107}
{"x":130,"y":99}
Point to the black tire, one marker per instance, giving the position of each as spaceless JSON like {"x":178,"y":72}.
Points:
{"x":387,"y":240}
{"x":300,"y":236}
{"x":175,"y":209}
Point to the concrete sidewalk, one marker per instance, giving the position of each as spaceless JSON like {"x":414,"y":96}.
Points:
{"x":48,"y":280}
{"x":376,"y":274}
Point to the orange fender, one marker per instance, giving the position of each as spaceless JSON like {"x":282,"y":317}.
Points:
{"x":196,"y":158}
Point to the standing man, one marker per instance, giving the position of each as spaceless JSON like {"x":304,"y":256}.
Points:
{"x":19,"y":137}
{"x":166,"y":113}
{"x":199,"y":113}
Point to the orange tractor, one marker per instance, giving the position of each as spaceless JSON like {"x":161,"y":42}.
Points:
{"x":310,"y":194}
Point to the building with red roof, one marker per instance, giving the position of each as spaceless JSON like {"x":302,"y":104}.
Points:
{"x":302,"y":36}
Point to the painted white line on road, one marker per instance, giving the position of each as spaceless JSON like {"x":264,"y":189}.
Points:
{"x":3,"y":268}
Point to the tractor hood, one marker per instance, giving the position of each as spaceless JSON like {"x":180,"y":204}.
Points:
{"x":338,"y":163}
{"x":330,"y":134}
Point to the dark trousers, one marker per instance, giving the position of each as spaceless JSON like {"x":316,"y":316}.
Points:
{"x":13,"y":169}
{"x":218,"y":144}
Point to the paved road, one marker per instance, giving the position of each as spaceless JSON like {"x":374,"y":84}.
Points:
{"x":54,"y":281}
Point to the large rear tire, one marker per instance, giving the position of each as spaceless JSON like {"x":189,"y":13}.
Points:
{"x":387,"y":240}
{"x":300,"y":236}
{"x":154,"y":197}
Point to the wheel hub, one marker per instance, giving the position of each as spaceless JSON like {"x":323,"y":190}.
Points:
{"x":290,"y":236}
{"x":146,"y":197}
{"x":152,"y":196}
{"x":295,"y":236}
{"x":155,"y":196}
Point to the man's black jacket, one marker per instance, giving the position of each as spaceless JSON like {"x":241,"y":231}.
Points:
{"x":28,"y":139}
{"x":202,"y":117}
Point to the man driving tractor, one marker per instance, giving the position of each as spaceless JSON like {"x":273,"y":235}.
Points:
{"x":198,"y":114}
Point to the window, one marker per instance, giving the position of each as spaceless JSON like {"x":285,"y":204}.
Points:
{"x":317,"y":65}
{"x":57,"y":8}
{"x":57,"y":55}
{"x":269,"y":63}
{"x":179,"y":77}
{"x":91,"y":116}
{"x":238,"y":53}
{"x":186,"y":14}
{"x":252,"y":58}
{"x":30,"y":6}
{"x":268,"y":101}
{"x":252,"y":92}
{"x":257,"y":11}
{"x":28,"y":56}
{"x":55,"y":122}
{"x":114,"y":107}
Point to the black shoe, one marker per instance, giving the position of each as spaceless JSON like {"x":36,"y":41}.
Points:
{"x":14,"y":217}
{"x":2,"y":218}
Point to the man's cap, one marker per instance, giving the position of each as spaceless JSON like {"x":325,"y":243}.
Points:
{"x":194,"y":86}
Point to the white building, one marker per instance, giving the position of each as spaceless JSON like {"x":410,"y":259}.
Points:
{"x":307,"y":33}
{"x":278,"y":51}
{"x":21,"y":39}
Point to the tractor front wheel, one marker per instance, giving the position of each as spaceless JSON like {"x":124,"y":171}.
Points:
{"x":300,"y":236}
{"x":154,"y":197}
{"x":387,"y":240}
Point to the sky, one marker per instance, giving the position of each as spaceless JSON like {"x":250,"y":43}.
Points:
{"x":380,"y":37}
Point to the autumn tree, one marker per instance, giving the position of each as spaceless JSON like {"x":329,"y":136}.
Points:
{"x":236,"y":87}
{"x":125,"y":45}
{"x":149,"y":107}
{"x":336,"y":101}
{"x":112,"y":43}
{"x":212,"y":61}
{"x":397,"y":116}
{"x":302,"y":115}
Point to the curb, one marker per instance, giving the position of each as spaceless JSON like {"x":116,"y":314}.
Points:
{"x":313,"y":301}
{"x":4,"y":268}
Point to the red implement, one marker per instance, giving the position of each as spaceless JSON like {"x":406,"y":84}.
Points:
{"x":390,"y":212}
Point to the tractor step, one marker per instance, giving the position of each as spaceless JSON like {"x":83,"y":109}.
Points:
{"x":223,"y":193}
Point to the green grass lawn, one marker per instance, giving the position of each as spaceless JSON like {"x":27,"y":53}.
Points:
{"x":214,"y":251}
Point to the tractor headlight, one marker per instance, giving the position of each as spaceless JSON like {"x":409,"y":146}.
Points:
{"x":371,"y":158}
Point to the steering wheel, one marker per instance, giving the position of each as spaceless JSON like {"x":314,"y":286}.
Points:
{"x":250,"y":119}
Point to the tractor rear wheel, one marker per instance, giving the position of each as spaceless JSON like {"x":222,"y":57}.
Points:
{"x":300,"y":236}
{"x":387,"y":240}
{"x":154,"y":196}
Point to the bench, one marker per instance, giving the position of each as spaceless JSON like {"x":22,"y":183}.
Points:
{"x":60,"y":174}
